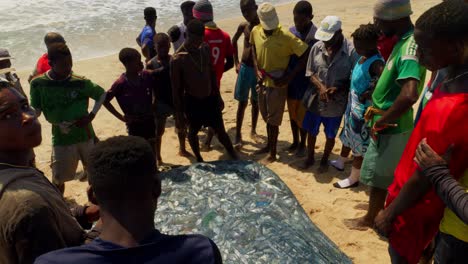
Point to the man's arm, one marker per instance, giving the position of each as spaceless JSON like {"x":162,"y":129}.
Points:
{"x":301,"y":65}
{"x":177,"y":91}
{"x":235,"y":38}
{"x":435,"y":168}
{"x":36,"y":234}
{"x":108,"y":105}
{"x":406,"y":99}
{"x":97,"y":93}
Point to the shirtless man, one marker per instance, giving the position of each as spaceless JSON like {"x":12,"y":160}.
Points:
{"x":247,"y":79}
{"x":195,"y":92}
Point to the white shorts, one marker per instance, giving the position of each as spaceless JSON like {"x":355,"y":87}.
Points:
{"x":65,"y":160}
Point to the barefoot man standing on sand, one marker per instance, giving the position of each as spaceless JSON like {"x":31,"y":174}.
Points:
{"x":273,"y":47}
{"x":391,"y":115}
{"x":246,"y":79}
{"x":194,"y":90}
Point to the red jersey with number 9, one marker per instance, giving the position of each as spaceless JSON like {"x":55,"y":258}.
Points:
{"x":220,"y":48}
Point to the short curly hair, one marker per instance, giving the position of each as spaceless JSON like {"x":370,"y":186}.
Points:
{"x":448,"y":20}
{"x":121,"y":168}
{"x":368,"y":32}
{"x":127,"y":55}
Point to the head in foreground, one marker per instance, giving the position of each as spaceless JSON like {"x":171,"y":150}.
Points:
{"x":195,"y":33}
{"x":365,"y":40}
{"x":303,"y":15}
{"x":60,"y":60}
{"x":249,"y":11}
{"x":442,"y":36}
{"x":122,"y":176}
{"x":131,"y":59}
{"x":20,"y":131}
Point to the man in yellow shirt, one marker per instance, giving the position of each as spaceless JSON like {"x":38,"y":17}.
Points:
{"x":272,"y":48}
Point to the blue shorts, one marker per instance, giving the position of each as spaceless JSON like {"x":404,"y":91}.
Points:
{"x":313,"y":121}
{"x":246,"y":80}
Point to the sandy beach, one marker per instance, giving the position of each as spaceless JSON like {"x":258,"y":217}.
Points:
{"x":327,"y":207}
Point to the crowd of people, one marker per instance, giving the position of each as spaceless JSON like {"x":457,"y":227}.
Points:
{"x":418,"y":182}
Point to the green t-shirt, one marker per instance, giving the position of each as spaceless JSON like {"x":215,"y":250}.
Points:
{"x":402,"y":64}
{"x":65,"y":101}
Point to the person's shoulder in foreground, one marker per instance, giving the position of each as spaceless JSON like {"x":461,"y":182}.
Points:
{"x":158,"y":249}
{"x":127,"y":191}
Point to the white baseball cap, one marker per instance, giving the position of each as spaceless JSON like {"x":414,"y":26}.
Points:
{"x":328,"y":27}
{"x":268,"y":17}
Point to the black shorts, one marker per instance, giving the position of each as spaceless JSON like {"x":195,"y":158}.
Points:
{"x":204,"y":112}
{"x":145,"y":129}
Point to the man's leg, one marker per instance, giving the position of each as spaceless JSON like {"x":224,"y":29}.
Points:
{"x":332,"y":124}
{"x":312,"y":125}
{"x":310,"y":160}
{"x":376,"y":204}
{"x":160,"y":128}
{"x":255,"y":112}
{"x":329,"y":145}
{"x":64,"y":164}
{"x":302,"y":143}
{"x":209,"y":137}
{"x":262,"y":106}
{"x":273,"y":139}
{"x":224,"y":139}
{"x":193,"y":140}
{"x":239,"y":120}
{"x":353,"y":179}
{"x":339,"y":163}
{"x":295,"y":135}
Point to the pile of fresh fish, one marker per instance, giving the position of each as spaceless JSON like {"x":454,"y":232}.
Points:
{"x":246,"y":209}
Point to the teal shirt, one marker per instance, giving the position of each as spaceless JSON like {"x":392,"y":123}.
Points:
{"x":65,"y":101}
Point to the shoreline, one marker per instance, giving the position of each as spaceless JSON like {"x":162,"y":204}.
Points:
{"x":328,"y":208}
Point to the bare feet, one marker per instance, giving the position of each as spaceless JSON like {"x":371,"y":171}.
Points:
{"x":184,"y":153}
{"x":267,"y":160}
{"x":361,"y":223}
{"x":293,"y":147}
{"x":262,"y":151}
{"x":309,"y":162}
{"x":234,"y":155}
{"x":238,"y":143}
{"x":323,"y":167}
{"x":301,"y":152}
{"x":256,"y":138}
{"x":205,"y":148}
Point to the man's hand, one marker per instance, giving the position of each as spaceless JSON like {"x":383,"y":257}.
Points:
{"x":284,"y":80}
{"x":383,"y":223}
{"x":426,"y":157}
{"x":92,"y":213}
{"x":84,"y":121}
{"x":365,"y":97}
{"x":323,"y":93}
{"x":238,"y":66}
{"x":378,"y":126}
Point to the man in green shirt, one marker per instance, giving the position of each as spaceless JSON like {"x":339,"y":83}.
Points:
{"x":63,"y":97}
{"x":391,"y":116}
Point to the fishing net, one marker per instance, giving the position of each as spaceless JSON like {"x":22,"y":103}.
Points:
{"x":246,"y":209}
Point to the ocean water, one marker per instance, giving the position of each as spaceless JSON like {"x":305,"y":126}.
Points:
{"x":91,"y":28}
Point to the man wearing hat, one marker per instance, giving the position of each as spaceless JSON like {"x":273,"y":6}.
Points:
{"x":391,"y":115}
{"x":272,"y":48}
{"x":331,"y":61}
{"x":7,"y":72}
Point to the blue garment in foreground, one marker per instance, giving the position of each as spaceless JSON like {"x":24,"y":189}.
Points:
{"x":158,"y":248}
{"x":247,"y":210}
